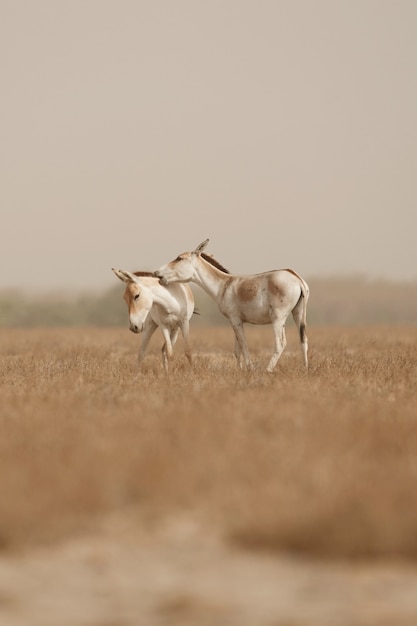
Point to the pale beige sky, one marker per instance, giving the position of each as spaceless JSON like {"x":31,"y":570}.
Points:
{"x":285,"y":131}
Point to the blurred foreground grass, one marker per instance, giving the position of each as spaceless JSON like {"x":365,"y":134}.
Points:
{"x":324,"y":463}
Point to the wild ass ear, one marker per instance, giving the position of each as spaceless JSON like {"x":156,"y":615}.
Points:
{"x":201,"y":247}
{"x":126,"y":277}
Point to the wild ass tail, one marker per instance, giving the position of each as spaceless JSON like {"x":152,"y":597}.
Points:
{"x":300,"y":316}
{"x":305,"y":292}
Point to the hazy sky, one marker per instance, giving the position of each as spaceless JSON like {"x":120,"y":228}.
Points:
{"x":283,"y":130}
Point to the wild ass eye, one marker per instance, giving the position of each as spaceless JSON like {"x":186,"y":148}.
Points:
{"x":136,"y":296}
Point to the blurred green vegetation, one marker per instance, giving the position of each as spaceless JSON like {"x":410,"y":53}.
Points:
{"x":55,"y":309}
{"x":350,"y":301}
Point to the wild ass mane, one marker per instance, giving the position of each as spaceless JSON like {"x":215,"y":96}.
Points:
{"x":140,"y":273}
{"x":214,"y":263}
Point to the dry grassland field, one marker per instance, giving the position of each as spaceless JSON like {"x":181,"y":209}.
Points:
{"x":211,"y":496}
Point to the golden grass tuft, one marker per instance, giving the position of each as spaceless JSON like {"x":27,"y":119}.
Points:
{"x":324,"y":463}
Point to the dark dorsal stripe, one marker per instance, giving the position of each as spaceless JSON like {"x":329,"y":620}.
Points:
{"x":214,"y":263}
{"x":143,"y":273}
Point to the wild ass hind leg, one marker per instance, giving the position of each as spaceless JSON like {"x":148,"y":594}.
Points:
{"x":278,"y":326}
{"x":164,"y":357}
{"x":297,"y":314}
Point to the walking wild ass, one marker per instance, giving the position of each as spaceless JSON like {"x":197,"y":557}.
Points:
{"x":266,"y":298}
{"x":151,"y":305}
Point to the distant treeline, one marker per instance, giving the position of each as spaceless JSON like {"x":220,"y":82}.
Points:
{"x":333,"y":301}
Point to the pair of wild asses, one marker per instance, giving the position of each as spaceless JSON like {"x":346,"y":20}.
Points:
{"x":164,"y":299}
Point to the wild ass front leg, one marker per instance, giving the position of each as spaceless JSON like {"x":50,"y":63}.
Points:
{"x":238,"y":353}
{"x":185,"y":330}
{"x":150,"y":328}
{"x":167,"y":351}
{"x":240,"y":337}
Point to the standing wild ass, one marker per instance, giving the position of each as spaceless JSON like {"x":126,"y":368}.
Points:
{"x":151,"y":305}
{"x":266,"y":298}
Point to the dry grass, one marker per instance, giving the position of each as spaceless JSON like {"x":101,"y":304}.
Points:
{"x":324,"y":464}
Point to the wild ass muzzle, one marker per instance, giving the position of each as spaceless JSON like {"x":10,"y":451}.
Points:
{"x":152,"y":305}
{"x":266,"y":298}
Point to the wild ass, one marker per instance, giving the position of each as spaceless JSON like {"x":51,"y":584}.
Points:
{"x":151,"y":305}
{"x":266,"y":298}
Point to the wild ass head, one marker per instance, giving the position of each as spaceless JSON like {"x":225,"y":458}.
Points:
{"x":182,"y":268}
{"x":138,"y":298}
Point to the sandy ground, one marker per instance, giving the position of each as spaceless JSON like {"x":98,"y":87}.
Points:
{"x":181,"y":575}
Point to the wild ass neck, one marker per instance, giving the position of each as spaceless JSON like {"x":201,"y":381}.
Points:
{"x":209,"y":278}
{"x":163,"y":297}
